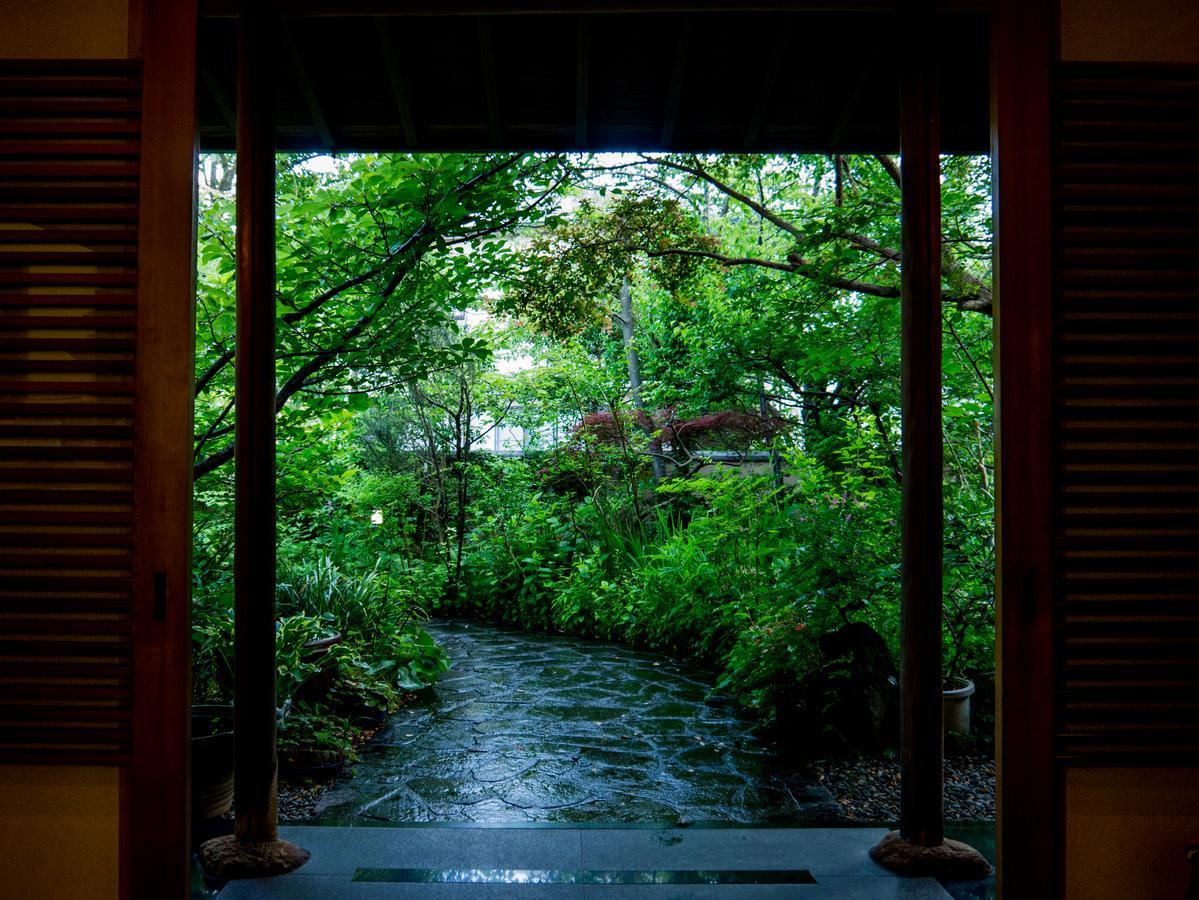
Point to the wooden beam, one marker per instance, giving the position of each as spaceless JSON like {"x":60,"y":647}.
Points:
{"x":922,"y":805}
{"x":159,"y":841}
{"x":773,"y":67}
{"x":582,"y":81}
{"x":255,"y":782}
{"x":399,"y":87}
{"x":1028,"y":833}
{"x":224,"y":107}
{"x":851,"y":104}
{"x":226,"y":9}
{"x":305,"y":85}
{"x":495,"y":131}
{"x":674,"y":91}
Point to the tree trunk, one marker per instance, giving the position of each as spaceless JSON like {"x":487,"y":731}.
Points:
{"x":634,"y":363}
{"x":776,"y":459}
{"x":463,"y":454}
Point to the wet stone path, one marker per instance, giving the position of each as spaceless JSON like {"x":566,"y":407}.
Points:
{"x":542,"y":728}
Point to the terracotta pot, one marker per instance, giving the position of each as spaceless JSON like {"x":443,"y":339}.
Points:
{"x":212,"y":761}
{"x":957,"y":708}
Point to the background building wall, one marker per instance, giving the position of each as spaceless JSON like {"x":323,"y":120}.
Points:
{"x":60,"y":826}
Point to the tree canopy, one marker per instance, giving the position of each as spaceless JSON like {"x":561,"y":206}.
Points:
{"x":694,"y":360}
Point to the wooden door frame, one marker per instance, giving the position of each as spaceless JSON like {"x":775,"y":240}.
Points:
{"x":157,"y":863}
{"x":1029,"y":806}
{"x":1028,"y":815}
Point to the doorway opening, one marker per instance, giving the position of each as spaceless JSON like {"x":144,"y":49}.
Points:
{"x":630,"y":422}
{"x":665,"y":443}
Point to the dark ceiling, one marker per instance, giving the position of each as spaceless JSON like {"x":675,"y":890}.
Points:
{"x":765,"y":81}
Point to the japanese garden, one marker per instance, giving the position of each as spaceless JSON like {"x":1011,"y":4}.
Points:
{"x":610,"y":440}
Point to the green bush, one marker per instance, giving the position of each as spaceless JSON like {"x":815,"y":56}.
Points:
{"x":740,"y":572}
{"x":328,"y":692}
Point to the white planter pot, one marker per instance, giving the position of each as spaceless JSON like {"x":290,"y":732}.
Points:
{"x":957,"y":708}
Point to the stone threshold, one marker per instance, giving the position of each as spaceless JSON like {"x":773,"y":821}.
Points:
{"x":762,"y":863}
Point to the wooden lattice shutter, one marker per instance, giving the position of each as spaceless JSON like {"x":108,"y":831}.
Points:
{"x":1127,"y":411}
{"x":69,"y":157}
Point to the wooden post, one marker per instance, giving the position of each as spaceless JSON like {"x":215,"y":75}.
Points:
{"x":922,"y":806}
{"x":920,"y":847}
{"x":254,"y":849}
{"x":255,"y":782}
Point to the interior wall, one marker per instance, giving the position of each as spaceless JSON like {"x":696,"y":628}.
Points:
{"x":64,"y":29}
{"x":1164,"y":31}
{"x":60,"y":826}
{"x":1125,"y":828}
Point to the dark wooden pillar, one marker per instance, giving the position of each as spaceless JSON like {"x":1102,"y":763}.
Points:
{"x":255,"y":783}
{"x":921,"y":742}
{"x":1028,"y":828}
{"x":156,"y":858}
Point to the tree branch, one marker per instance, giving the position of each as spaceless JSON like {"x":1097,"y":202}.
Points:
{"x":891,"y":167}
{"x":728,"y":190}
{"x":213,"y":370}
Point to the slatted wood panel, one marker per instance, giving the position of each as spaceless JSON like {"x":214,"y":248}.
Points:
{"x":69,"y":156}
{"x":1127,"y":404}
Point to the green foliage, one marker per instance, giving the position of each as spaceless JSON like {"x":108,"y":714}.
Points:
{"x":573,"y":269}
{"x":729,"y":569}
{"x":309,"y":728}
{"x":379,"y":650}
{"x":426,"y":300}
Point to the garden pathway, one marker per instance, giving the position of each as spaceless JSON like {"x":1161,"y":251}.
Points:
{"x":543,"y":728}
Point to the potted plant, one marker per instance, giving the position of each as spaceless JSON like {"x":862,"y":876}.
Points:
{"x":968,"y":615}
{"x":955,"y":698}
{"x":212,"y":760}
{"x":317,"y":653}
{"x":314,"y":744}
{"x":305,"y":652}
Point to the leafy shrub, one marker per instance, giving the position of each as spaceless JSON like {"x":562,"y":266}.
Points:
{"x":374,"y":614}
{"x":307,"y":728}
{"x":212,"y":643}
{"x":740,"y":572}
{"x":328,"y":692}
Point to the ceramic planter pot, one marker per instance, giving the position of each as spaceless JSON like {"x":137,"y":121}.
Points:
{"x":957,"y":708}
{"x":316,"y":689}
{"x":315,"y":765}
{"x":212,"y":761}
{"x":319,"y":647}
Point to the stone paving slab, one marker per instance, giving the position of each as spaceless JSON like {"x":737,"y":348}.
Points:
{"x":325,"y":887}
{"x":826,"y":852}
{"x":836,"y":858}
{"x":333,"y":887}
{"x":832,"y":889}
{"x":544,"y":728}
{"x":339,"y":851}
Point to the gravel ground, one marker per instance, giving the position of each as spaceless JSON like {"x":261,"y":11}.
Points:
{"x":297,"y":802}
{"x":868,"y":788}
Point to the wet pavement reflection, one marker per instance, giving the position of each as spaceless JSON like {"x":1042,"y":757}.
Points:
{"x":544,"y":728}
